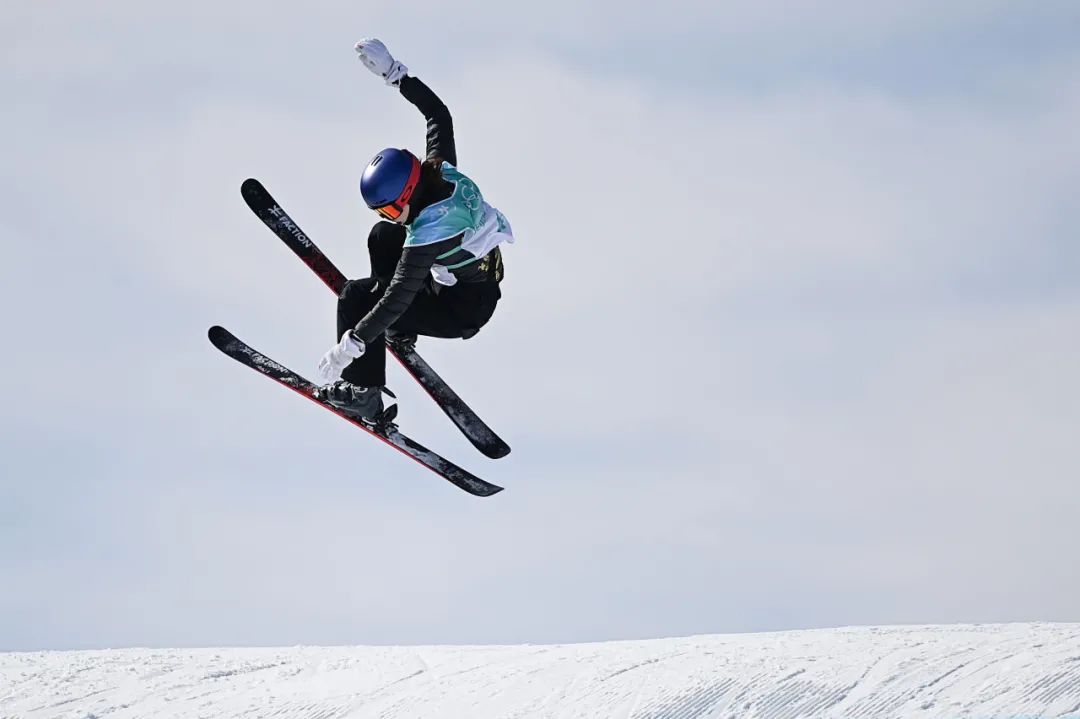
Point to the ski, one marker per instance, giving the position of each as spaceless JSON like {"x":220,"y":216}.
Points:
{"x":281,"y":224}
{"x":388,"y":433}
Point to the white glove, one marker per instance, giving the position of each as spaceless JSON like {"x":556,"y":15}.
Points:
{"x":339,"y":357}
{"x":378,"y":59}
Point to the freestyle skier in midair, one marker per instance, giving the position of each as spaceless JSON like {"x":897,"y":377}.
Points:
{"x":435,"y":258}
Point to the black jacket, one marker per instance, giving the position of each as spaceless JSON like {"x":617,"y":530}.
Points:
{"x":413,"y":271}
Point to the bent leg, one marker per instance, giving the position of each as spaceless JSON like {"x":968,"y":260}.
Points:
{"x":385,"y":242}
{"x":454,"y":312}
{"x":357,"y":298}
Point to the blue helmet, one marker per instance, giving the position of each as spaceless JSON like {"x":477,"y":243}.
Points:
{"x":389,"y":181}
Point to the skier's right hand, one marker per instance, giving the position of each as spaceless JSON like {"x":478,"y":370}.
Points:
{"x":377,"y":58}
{"x":339,"y":357}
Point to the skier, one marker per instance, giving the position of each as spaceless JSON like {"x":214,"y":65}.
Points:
{"x":435,"y":259}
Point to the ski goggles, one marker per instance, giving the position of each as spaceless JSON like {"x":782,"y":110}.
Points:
{"x":391,"y":211}
{"x":394,"y":210}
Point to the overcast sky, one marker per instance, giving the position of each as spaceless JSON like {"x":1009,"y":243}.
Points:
{"x":790,"y":337}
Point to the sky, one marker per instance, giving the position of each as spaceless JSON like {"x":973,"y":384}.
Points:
{"x":789,"y":337}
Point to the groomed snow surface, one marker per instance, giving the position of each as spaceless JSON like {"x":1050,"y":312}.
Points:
{"x":1013,"y":670}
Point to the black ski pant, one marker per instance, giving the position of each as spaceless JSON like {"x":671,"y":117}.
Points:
{"x":437,"y":311}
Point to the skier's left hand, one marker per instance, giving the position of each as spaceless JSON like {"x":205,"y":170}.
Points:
{"x":339,"y":357}
{"x":377,"y":58}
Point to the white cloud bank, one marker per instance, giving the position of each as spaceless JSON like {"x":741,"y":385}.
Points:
{"x":805,"y":346}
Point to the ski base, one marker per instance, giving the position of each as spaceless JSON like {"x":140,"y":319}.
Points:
{"x":389,"y":433}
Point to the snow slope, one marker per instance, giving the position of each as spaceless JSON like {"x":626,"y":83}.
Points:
{"x":1014,"y":670}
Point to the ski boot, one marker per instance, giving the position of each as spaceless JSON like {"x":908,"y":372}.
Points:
{"x":361,"y":403}
{"x":400,"y":342}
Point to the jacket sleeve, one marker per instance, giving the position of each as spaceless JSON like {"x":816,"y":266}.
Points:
{"x":440,"y":126}
{"x":409,"y":278}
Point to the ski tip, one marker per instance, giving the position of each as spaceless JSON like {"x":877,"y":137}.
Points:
{"x":218,"y":335}
{"x":481,"y":488}
{"x":496,"y":451}
{"x":249,"y":185}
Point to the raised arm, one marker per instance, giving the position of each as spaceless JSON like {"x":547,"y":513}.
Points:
{"x":415,"y":264}
{"x":440,"y":126}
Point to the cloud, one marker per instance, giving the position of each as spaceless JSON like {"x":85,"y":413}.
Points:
{"x":757,"y":337}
